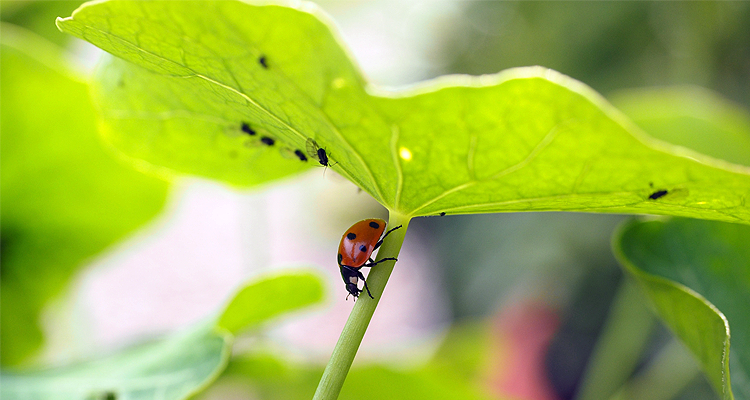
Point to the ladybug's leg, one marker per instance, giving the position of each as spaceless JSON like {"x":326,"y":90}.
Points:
{"x":380,"y":261}
{"x":381,"y":240}
{"x":355,"y":272}
{"x":368,"y":289}
{"x":360,"y":276}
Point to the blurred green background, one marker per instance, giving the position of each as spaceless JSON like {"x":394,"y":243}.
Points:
{"x":559,"y":266}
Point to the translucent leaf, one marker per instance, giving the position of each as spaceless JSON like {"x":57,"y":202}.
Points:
{"x":697,"y":273}
{"x":525,"y":139}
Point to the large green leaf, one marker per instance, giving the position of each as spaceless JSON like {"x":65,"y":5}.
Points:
{"x":64,"y":197}
{"x":176,"y":366}
{"x":697,"y":273}
{"x":526,"y":139}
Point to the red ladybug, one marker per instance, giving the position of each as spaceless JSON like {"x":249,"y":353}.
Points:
{"x":355,"y":250}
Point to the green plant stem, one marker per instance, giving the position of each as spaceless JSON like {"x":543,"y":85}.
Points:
{"x":619,"y":347}
{"x":354,"y":330}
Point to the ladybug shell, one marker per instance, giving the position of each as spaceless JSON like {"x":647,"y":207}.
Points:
{"x":359,"y":241}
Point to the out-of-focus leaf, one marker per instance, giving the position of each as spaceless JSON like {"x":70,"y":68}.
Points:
{"x":176,"y":366}
{"x":692,"y":117}
{"x":697,"y":273}
{"x":64,"y":198}
{"x":169,"y":369}
{"x":36,"y":16}
{"x":526,"y":139}
{"x":265,"y":299}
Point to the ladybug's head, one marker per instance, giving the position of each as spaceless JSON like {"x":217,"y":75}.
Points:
{"x":353,"y":290}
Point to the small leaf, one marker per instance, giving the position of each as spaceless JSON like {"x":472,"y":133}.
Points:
{"x":169,"y":369}
{"x":265,"y":299}
{"x":526,"y":139}
{"x":64,"y":197}
{"x":697,"y":273}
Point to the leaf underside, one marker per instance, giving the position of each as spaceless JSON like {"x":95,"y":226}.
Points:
{"x":526,"y":139}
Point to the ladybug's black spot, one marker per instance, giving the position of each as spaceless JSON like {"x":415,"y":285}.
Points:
{"x":262,"y":61}
{"x":657,"y":194}
{"x":246,"y":128}
{"x":363,"y":248}
{"x":300,"y":155}
{"x":267,"y":140}
{"x":374,"y":225}
{"x":351,"y":236}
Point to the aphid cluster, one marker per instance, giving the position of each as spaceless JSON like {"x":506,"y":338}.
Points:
{"x":313,"y":150}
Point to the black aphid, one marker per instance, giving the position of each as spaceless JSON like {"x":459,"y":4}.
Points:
{"x":657,"y":194}
{"x":247,"y":129}
{"x":314,"y":151}
{"x":262,"y":61}
{"x":300,"y":155}
{"x":267,"y":140}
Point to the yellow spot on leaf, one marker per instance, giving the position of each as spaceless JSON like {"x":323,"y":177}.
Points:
{"x":338,"y":83}
{"x":405,"y":153}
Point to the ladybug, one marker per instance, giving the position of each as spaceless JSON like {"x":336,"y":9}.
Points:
{"x":355,"y":250}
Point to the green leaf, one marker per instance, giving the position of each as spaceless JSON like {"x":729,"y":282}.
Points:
{"x":692,"y":117}
{"x":176,"y":366}
{"x":270,"y":297}
{"x":526,"y":139}
{"x":169,"y":369}
{"x":697,"y":273}
{"x":64,"y":197}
